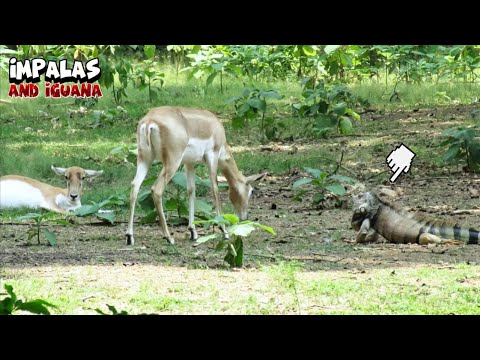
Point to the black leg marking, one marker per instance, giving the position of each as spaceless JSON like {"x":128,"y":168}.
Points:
{"x":420,"y":232}
{"x":457,"y":232}
{"x":472,"y":236}
{"x":443,"y":231}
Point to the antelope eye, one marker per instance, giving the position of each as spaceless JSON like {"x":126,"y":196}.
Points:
{"x":83,"y":177}
{"x":66,"y":177}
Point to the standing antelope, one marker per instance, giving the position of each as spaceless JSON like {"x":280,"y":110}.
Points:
{"x":180,"y":135}
{"x":20,"y":191}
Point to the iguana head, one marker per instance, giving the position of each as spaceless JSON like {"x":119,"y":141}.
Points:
{"x":365,"y":205}
{"x":359,"y":215}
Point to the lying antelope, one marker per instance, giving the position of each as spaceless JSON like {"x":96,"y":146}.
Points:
{"x":179,"y":135}
{"x":20,"y":191}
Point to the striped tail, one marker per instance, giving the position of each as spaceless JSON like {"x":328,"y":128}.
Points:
{"x":455,"y":232}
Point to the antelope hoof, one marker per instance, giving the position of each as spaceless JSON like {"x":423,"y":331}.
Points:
{"x":193,"y":234}
{"x":130,"y":240}
{"x":170,"y":240}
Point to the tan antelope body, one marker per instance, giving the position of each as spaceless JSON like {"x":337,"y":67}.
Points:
{"x":20,"y":191}
{"x":373,"y":216}
{"x":180,"y":135}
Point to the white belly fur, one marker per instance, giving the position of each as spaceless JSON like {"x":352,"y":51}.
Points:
{"x":18,"y":194}
{"x":196,"y":149}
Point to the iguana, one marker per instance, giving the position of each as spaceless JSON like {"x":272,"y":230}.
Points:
{"x":373,"y":216}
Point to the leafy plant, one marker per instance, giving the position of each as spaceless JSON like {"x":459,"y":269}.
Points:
{"x":113,"y":311}
{"x":95,"y":209}
{"x":5,"y":54}
{"x":176,"y":198}
{"x":323,"y":182}
{"x":236,"y":232}
{"x":211,"y":61}
{"x":110,"y":67}
{"x":128,"y":153}
{"x":329,"y":105}
{"x":146,"y":74}
{"x":463,"y":144}
{"x":40,"y":219}
{"x":252,"y":103}
{"x":11,"y":304}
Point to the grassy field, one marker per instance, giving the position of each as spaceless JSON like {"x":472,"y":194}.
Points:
{"x":311,"y":267}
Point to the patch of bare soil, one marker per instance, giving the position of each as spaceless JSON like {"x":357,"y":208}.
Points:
{"x":320,"y":238}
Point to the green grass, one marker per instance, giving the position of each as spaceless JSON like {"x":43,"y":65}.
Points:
{"x":284,"y":289}
{"x":405,"y":291}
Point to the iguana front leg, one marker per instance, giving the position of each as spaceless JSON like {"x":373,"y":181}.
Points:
{"x":366,"y":233}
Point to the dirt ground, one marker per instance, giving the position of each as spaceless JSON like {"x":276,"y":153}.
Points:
{"x":318,"y":237}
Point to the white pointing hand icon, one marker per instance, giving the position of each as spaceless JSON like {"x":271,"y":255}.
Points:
{"x":400,"y":160}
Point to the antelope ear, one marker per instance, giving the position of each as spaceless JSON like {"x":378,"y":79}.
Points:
{"x":93,"y":173}
{"x":58,"y":170}
{"x":254,"y":178}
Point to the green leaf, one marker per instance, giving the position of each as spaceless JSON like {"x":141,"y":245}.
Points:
{"x":309,"y":50}
{"x":231,"y":100}
{"x":232,"y":250}
{"x":110,"y":217}
{"x":86,"y":210}
{"x":452,"y":153}
{"x":340,"y":108}
{"x":336,"y":189}
{"x":203,"y":207}
{"x":241,"y":229}
{"x":234,"y":255}
{"x":149,"y":51}
{"x":243,"y":109}
{"x":205,"y":238}
{"x":29,"y":216}
{"x":9,"y":289}
{"x":180,"y":179}
{"x":38,"y":306}
{"x":218,"y":66}
{"x":7,"y":52}
{"x":345,"y":125}
{"x":317,"y":198}
{"x":331,"y":48}
{"x":50,"y":236}
{"x":112,"y":309}
{"x":257,"y":103}
{"x":301,"y":182}
{"x":211,"y":77}
{"x":272,"y":94}
{"x":353,"y":114}
{"x":221,"y":245}
{"x":342,"y":178}
{"x":149,"y":218}
{"x":233,"y":219}
{"x":145,"y":200}
{"x":316,"y":173}
{"x":171,"y":204}
{"x":266,"y":228}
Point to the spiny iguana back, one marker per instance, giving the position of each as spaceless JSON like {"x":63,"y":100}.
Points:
{"x":373,"y":216}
